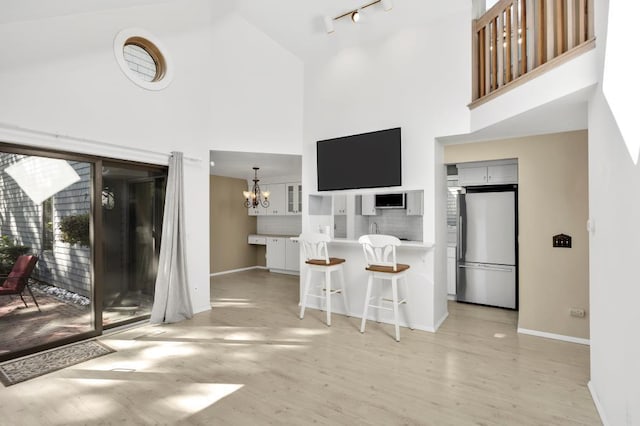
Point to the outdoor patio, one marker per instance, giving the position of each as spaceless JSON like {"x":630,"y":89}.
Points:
{"x":24,"y":327}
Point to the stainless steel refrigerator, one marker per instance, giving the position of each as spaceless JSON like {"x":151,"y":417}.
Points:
{"x":487,"y":229}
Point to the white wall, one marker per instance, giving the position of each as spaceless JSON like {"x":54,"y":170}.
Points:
{"x":59,"y":75}
{"x":614,"y":204}
{"x":414,"y":80}
{"x":257,"y":91}
{"x":564,"y":80}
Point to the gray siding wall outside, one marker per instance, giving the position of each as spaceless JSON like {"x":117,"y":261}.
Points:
{"x":65,"y":266}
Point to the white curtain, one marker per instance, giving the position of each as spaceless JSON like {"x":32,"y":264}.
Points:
{"x":172,"y":301}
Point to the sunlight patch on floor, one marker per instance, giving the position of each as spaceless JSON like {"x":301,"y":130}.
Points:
{"x":309,"y":331}
{"x":94,"y":383}
{"x":120,"y":345}
{"x":166,"y":349}
{"x":239,"y":336}
{"x":128,"y":365}
{"x":196,"y":397}
{"x":237,"y":304}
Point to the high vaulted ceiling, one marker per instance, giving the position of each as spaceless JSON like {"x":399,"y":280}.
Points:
{"x":297,"y":25}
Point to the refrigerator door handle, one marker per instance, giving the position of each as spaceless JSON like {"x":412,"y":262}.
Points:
{"x":460,"y":242}
{"x":488,"y":267}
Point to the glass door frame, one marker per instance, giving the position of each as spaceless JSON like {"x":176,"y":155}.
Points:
{"x":96,"y":236}
{"x":134,"y":166}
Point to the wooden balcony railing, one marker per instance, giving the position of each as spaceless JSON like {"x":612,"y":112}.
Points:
{"x":519,"y":38}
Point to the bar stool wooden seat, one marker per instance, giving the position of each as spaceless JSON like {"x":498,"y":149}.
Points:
{"x":314,"y":246}
{"x":380,"y":255}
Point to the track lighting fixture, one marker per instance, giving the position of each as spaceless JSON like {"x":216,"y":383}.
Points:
{"x":328,"y":25}
{"x":355,"y":14}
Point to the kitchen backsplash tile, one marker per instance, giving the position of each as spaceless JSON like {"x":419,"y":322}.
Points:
{"x":340,"y":226}
{"x":396,"y":222}
{"x":279,"y":225}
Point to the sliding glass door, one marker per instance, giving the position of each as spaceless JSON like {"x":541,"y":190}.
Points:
{"x":79,"y":244}
{"x":45,"y":216}
{"x":133,"y":203}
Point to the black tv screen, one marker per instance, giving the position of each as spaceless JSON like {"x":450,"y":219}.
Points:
{"x":368,"y":160}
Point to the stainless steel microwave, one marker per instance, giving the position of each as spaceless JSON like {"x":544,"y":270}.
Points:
{"x":390,"y":201}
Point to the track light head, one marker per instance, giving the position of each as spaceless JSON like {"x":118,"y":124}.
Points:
{"x":355,"y":14}
{"x":328,"y":25}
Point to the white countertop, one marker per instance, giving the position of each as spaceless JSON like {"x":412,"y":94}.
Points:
{"x":273,"y":235}
{"x":408,"y":244}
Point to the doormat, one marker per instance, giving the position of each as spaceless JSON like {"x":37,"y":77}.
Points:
{"x":12,"y":372}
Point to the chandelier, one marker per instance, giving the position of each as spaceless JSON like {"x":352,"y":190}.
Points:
{"x":254,"y":198}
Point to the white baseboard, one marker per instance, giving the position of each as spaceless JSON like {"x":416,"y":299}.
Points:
{"x":282,"y":271}
{"x":232,"y":271}
{"x":451,"y":297}
{"x":439,"y":323}
{"x":564,"y":338}
{"x":202,"y":308}
{"x":598,"y":404}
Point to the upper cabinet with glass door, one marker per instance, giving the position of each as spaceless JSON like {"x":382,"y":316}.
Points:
{"x":284,"y":199}
{"x":294,"y":198}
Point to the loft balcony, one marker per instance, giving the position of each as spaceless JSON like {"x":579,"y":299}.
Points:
{"x":517,"y":40}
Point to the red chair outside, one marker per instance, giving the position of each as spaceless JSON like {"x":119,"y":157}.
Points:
{"x":18,"y":278}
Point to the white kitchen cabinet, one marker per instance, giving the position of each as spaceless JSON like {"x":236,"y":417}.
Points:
{"x":276,"y":253}
{"x":369,"y":205}
{"x":415,"y":203}
{"x":277,"y":199}
{"x":257,"y":211}
{"x":339,"y":205}
{"x":284,"y":199}
{"x":292,"y":255}
{"x":451,"y":270}
{"x":294,"y":198}
{"x":505,"y":173}
{"x":283,"y":254}
{"x":471,"y":176}
{"x":498,"y":174}
{"x":257,"y":240}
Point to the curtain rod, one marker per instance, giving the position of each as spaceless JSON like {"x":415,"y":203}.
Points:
{"x":91,"y":141}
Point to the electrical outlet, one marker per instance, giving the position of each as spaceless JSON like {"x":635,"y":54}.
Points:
{"x":577,"y":312}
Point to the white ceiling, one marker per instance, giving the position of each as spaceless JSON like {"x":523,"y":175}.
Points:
{"x":26,"y":10}
{"x":297,"y":25}
{"x":240,"y":164}
{"x":562,"y":115}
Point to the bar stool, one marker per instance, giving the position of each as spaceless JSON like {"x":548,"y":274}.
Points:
{"x":380,"y":255}
{"x":314,"y":246}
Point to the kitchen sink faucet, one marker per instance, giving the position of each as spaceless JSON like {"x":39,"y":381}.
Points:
{"x":373,"y":228}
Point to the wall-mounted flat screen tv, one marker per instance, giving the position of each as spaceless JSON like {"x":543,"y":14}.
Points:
{"x":368,"y":160}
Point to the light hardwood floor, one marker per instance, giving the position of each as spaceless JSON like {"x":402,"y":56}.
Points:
{"x":251,"y":361}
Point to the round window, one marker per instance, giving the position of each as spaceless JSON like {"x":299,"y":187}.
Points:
{"x":142,"y":59}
